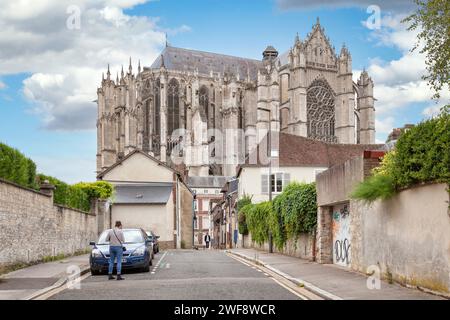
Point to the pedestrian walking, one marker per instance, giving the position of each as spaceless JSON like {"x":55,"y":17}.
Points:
{"x":116,"y":249}
{"x":207,"y":239}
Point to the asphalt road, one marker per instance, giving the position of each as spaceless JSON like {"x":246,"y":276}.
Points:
{"x":185,"y":275}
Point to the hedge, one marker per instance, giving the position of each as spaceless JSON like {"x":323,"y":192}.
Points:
{"x":17,"y":168}
{"x":291,"y":213}
{"x":422,"y":154}
{"x":79,"y":195}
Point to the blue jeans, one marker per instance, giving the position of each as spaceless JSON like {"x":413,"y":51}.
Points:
{"x":115,"y":252}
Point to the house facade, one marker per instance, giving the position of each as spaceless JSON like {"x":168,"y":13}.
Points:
{"x":152,"y":196}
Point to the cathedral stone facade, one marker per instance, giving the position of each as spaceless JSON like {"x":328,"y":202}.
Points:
{"x":177,"y":108}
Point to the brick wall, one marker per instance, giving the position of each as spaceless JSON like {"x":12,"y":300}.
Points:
{"x":32,"y":227}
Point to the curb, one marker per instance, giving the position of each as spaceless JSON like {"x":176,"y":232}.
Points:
{"x":309,"y":286}
{"x":58,"y":284}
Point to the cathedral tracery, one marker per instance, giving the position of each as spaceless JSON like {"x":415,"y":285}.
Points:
{"x":320,"y":111}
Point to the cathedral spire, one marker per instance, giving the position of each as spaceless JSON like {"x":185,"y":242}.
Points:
{"x":108,"y":74}
{"x":117,"y":78}
{"x":318,"y":21}
{"x":103,"y":76}
{"x":122,"y":74}
{"x":130,"y":68}
{"x":297,"y":38}
{"x":139,"y":66}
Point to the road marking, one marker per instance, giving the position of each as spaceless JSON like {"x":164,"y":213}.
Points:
{"x":307,"y":295}
{"x":168,"y":266}
{"x":290,"y":290}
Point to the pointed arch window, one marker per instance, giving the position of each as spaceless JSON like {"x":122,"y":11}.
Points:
{"x":204,"y":103}
{"x":321,"y":111}
{"x":173,"y":97}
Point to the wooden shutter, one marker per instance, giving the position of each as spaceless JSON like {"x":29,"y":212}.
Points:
{"x":264,"y":184}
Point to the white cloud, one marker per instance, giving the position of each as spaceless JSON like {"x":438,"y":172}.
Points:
{"x":66,"y":65}
{"x":398,"y":82}
{"x":2,"y":85}
{"x":385,"y":125}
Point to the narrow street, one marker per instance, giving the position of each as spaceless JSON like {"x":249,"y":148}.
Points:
{"x":186,"y":275}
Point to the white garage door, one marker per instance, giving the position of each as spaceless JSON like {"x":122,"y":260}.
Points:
{"x":148,"y":217}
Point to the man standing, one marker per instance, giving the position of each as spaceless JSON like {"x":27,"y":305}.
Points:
{"x":207,"y":239}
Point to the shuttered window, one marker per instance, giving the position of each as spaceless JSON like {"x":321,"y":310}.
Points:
{"x":277,"y":182}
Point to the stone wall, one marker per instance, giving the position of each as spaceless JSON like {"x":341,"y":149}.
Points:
{"x":32,"y":227}
{"x":302,"y":248}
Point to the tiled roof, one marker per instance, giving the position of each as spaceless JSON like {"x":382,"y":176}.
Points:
{"x":205,"y":62}
{"x":300,"y":151}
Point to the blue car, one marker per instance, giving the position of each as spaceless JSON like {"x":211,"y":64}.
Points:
{"x":138,"y":254}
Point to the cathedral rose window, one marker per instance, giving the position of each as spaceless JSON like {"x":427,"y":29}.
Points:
{"x":320,"y":111}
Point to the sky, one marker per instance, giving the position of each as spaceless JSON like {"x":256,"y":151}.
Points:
{"x":53,"y":53}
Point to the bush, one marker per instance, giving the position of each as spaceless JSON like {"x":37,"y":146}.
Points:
{"x":379,"y":186}
{"x":421,"y":155}
{"x":17,"y":168}
{"x":78,"y":196}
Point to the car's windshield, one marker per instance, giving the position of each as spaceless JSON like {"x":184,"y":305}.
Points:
{"x":130,"y":236}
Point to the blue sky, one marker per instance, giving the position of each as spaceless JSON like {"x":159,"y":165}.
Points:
{"x":47,"y":87}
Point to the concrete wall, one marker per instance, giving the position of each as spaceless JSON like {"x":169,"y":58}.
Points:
{"x":250,"y":179}
{"x":33,"y":228}
{"x":407,"y":236}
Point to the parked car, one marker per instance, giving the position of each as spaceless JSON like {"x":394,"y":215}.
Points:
{"x":138,"y":255}
{"x":154,"y":238}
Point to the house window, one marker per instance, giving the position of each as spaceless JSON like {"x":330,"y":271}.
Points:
{"x":195,"y":205}
{"x":277,"y":182}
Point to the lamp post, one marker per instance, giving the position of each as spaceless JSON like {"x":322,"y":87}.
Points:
{"x":270,"y":174}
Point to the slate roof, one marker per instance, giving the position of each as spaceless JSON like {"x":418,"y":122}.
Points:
{"x":300,"y":151}
{"x":148,"y":193}
{"x":192,"y":60}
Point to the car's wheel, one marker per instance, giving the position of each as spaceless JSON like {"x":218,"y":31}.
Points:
{"x":95,"y":272}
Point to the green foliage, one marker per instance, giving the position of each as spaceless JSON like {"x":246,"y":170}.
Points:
{"x":432,"y":20}
{"x":257,"y":221}
{"x":78,"y":196}
{"x":243,"y":205}
{"x":291,"y":213}
{"x":422,"y":154}
{"x":296,"y":209}
{"x":96,"y":190}
{"x":379,"y":186}
{"x":17,"y":168}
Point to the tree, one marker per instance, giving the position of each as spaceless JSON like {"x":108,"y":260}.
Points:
{"x":432,"y":20}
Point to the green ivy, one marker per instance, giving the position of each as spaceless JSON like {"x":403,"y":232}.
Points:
{"x":291,"y":213}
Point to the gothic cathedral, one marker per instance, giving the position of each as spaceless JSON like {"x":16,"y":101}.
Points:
{"x":186,"y":98}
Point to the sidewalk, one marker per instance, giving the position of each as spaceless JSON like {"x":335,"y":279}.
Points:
{"x":23,"y":283}
{"x":330,"y":280}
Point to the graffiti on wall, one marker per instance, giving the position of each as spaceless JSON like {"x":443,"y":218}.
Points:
{"x":341,"y":235}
